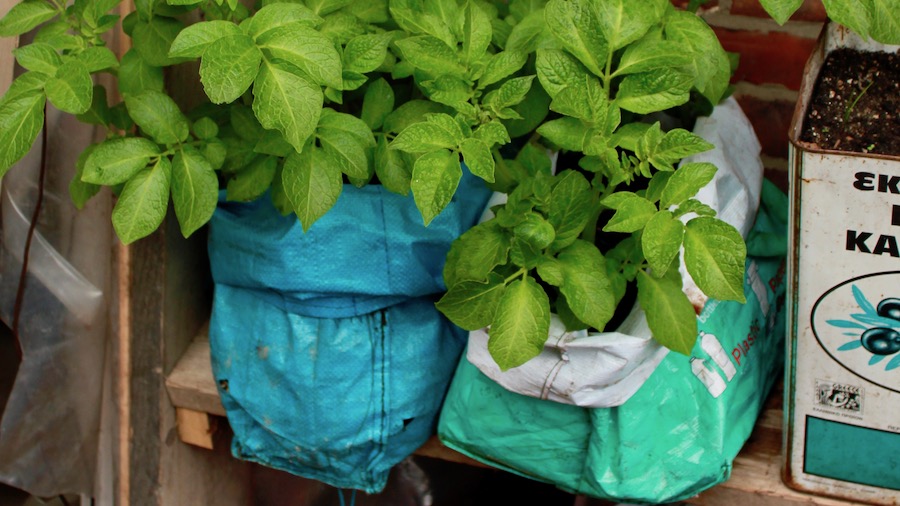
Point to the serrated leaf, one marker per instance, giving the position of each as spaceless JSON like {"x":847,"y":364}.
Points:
{"x":193,"y":41}
{"x":653,"y":91}
{"x":153,"y":38}
{"x":117,"y":160}
{"x":279,"y":14}
{"x":287,"y":102}
{"x":435,"y":178}
{"x":142,"y":204}
{"x":390,"y":167}
{"x":312,"y":184}
{"x":158,"y":116}
{"x":574,"y":23}
{"x":585,"y":285}
{"x":571,"y":204}
{"x":38,"y":57}
{"x":474,"y":254}
{"x":346,"y":150}
{"x":661,"y":241}
{"x":366,"y":53}
{"x":686,"y":182}
{"x":25,"y":16}
{"x":477,"y":157}
{"x":97,"y":58}
{"x":21,"y":120}
{"x":228,"y":67}
{"x":521,"y":324}
{"x":472,"y":304}
{"x":670,"y":315}
{"x":308,"y":50}
{"x":430,"y":54}
{"x":714,"y":254}
{"x":567,"y":133}
{"x":195,"y":189}
{"x":136,"y":75}
{"x":427,"y":136}
{"x":378,"y":103}
{"x":71,"y":90}
{"x":632,"y":212}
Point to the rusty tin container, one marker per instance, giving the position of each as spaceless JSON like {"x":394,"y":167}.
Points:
{"x":842,"y":392}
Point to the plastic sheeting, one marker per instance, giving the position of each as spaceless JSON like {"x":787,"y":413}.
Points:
{"x":50,"y":427}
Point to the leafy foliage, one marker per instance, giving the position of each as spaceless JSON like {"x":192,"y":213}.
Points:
{"x":876,"y":19}
{"x":307,"y":96}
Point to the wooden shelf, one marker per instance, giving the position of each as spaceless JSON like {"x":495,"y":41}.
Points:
{"x":755,"y":478}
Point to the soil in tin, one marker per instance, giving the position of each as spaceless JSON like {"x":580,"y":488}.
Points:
{"x":855,"y":104}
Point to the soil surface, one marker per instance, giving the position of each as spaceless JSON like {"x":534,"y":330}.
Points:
{"x":856,"y":103}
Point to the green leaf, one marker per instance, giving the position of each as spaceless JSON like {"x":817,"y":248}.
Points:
{"x":450,"y":90}
{"x":153,"y":38}
{"x":308,"y":50}
{"x":474,"y":254}
{"x":574,"y":23}
{"x":391,"y":169}
{"x":675,"y":145}
{"x":410,"y":112}
{"x":714,"y":254}
{"x":430,"y":54}
{"x":79,"y":191}
{"x":657,"y":185}
{"x":585,"y":285}
{"x":313,"y":184}
{"x":279,"y":14}
{"x":661,"y":241}
{"x":557,"y":70}
{"x":416,"y":20}
{"x":25,"y":16}
{"x":97,"y":58}
{"x":510,"y":93}
{"x":854,"y":15}
{"x":193,"y":41}
{"x":215,"y":152}
{"x":686,"y":182}
{"x":38,"y":57}
{"x":529,"y":34}
{"x":435,"y":178}
{"x":98,"y":113}
{"x":366,"y":53}
{"x":29,"y":83}
{"x":492,"y":133}
{"x":650,"y":54}
{"x":521,"y":324}
{"x":476,"y":33}
{"x":477,"y":157}
{"x":271,"y":142}
{"x":656,"y":90}
{"x":710,"y":65}
{"x":625,"y":21}
{"x":472,"y":304}
{"x":428,"y":136}
{"x":781,"y":10}
{"x":136,"y":75}
{"x":501,"y":66}
{"x":286,"y":102}
{"x":883,"y":16}
{"x":349,"y":124}
{"x":205,"y":128}
{"x":71,"y":90}
{"x":117,"y":160}
{"x":567,"y":133}
{"x":670,"y":315}
{"x":345,"y":150}
{"x":195,"y":189}
{"x":228,"y":67}
{"x":378,"y":103}
{"x":142,"y":204}
{"x":587,"y":101}
{"x":632,"y":212}
{"x":323,"y":7}
{"x":158,"y":116}
{"x":571,"y":204}
{"x":21,"y":120}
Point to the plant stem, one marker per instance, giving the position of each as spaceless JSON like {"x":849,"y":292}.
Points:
{"x":521,"y":272}
{"x":852,"y":105}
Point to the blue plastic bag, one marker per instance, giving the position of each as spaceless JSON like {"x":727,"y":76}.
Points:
{"x":330,"y":357}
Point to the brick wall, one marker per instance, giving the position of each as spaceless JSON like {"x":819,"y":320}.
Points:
{"x":772,"y":59}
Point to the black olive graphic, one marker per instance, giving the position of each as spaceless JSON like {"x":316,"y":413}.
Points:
{"x":881,"y":341}
{"x":889,"y":308}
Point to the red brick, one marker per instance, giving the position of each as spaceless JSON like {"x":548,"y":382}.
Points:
{"x":811,"y":10}
{"x":773,"y":57}
{"x":771,"y":120}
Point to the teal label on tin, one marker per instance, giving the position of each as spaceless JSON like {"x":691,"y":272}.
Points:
{"x":850,"y":453}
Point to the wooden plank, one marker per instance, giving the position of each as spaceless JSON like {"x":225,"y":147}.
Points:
{"x":191,"y":384}
{"x":196,"y":427}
